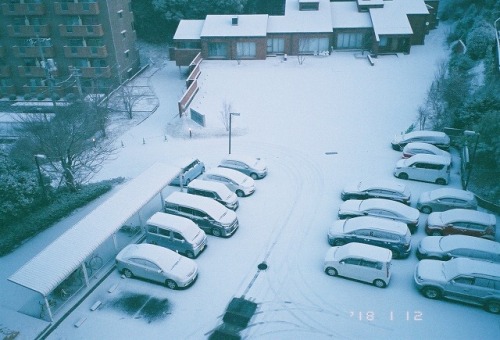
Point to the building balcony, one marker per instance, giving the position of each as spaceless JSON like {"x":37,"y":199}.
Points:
{"x":33,"y":89}
{"x":34,"y":71}
{"x":33,"y":51}
{"x":69,"y":8}
{"x":81,"y":31}
{"x":85,"y":51}
{"x":31,"y":31}
{"x":96,"y":72}
{"x":4,"y":71}
{"x":23,"y":9}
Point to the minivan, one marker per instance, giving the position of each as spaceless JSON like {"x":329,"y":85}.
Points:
{"x":190,"y":168}
{"x":209,"y":215}
{"x":381,"y":232}
{"x":214,"y":190}
{"x":237,"y":182}
{"x":176,"y":233}
{"x":422,"y":167}
{"x":360,"y":261}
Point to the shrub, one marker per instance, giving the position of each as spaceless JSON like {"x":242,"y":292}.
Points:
{"x":27,"y":96}
{"x":42,"y":217}
{"x":12,"y":97}
{"x":40,"y":96}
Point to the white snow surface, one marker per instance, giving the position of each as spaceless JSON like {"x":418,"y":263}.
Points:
{"x":319,"y":126}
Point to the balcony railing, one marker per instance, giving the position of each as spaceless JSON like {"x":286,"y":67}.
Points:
{"x":81,"y":30}
{"x":85,"y":51}
{"x":96,"y":72}
{"x":70,"y":8}
{"x":33,"y":51}
{"x":34,"y":71}
{"x":35,"y":89}
{"x":42,"y":31}
{"x":23,"y":9}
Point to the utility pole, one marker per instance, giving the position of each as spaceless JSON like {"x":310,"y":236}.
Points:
{"x":46,"y":66}
{"x":76,"y":72}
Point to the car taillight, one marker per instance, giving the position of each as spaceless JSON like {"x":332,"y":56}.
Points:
{"x":406,"y":155}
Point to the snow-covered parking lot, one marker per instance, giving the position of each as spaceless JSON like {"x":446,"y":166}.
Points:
{"x":319,"y":126}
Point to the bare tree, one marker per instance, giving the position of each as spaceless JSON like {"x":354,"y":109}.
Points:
{"x":225,"y":112}
{"x":302,"y":51}
{"x":73,"y":150}
{"x":130,"y":95}
{"x":434,"y":106}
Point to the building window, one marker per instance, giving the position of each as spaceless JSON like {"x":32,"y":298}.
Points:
{"x":313,"y":45}
{"x":349,"y":40}
{"x":217,"y":50}
{"x":384,"y":42}
{"x":245,"y":50}
{"x":275,"y":45}
{"x":189,"y":44}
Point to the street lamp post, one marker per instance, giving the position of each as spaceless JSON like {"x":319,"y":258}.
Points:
{"x":468,"y":133}
{"x":231,"y":114}
{"x":40,"y":177}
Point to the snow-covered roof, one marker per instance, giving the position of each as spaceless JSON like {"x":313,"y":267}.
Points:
{"x":296,"y":21}
{"x":345,"y":15}
{"x":390,"y":19}
{"x":189,"y":30}
{"x":252,"y":25}
{"x":364,"y":251}
{"x":44,"y":272}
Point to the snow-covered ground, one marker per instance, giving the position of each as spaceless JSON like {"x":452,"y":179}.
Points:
{"x":320,"y":126}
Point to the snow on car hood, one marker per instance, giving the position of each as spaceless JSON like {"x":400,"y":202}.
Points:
{"x":430,"y":244}
{"x":435,"y":219}
{"x":183,"y":267}
{"x":431,"y":270}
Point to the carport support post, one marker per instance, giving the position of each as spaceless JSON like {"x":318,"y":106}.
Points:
{"x":47,"y":307}
{"x":85,"y":274}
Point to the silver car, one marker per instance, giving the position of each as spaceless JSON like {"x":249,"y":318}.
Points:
{"x":250,"y":166}
{"x":437,"y":138}
{"x":158,"y":264}
{"x":240,"y":184}
{"x":380,"y":207}
{"x":377,"y":189}
{"x":447,"y":247}
{"x":446,"y":198}
{"x":462,"y":279}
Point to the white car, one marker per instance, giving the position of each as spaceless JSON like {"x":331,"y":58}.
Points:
{"x":380,"y":207}
{"x":411,"y":149}
{"x":158,"y":264}
{"x":360,"y":261}
{"x":447,"y":247}
{"x":237,"y":182}
{"x":250,"y":166}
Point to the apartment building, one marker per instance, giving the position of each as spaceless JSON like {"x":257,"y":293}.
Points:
{"x":52,"y":48}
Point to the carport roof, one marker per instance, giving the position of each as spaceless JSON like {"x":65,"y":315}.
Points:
{"x":44,"y":272}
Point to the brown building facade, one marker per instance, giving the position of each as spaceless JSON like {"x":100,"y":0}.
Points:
{"x":52,"y":48}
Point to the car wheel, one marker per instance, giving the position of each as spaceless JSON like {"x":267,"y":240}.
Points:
{"x":379,"y":283}
{"x":395,"y":254}
{"x":188,"y":181}
{"x":190,"y":254}
{"x":431,"y":293}
{"x":344,"y":197}
{"x":254,"y":176}
{"x":331,"y":271}
{"x":403,"y":175}
{"x":216,"y":232}
{"x":338,"y":243}
{"x":426,"y":209}
{"x":171,"y":284}
{"x":240,"y":193}
{"x":441,"y":181}
{"x":493,"y":307}
{"x":436,"y":233}
{"x":128,"y":273}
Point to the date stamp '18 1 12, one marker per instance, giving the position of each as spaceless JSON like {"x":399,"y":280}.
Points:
{"x":391,"y":315}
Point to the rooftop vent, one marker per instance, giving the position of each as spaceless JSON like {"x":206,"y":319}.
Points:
{"x":234,"y":21}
